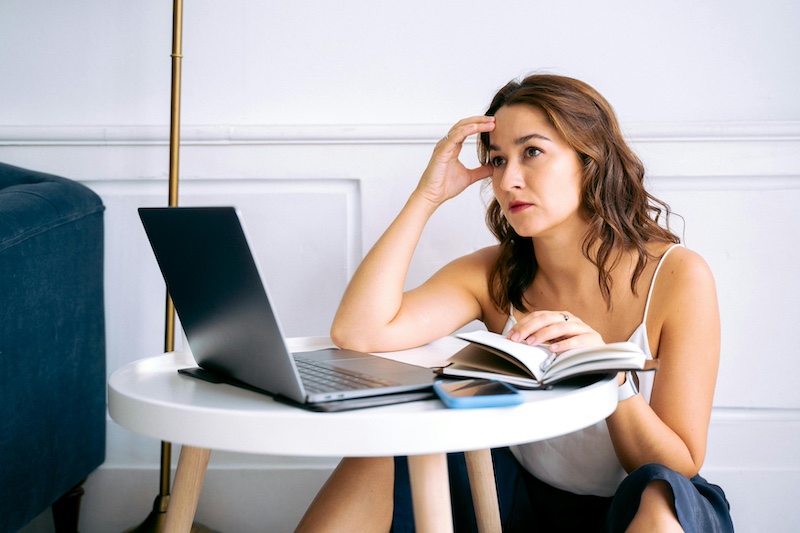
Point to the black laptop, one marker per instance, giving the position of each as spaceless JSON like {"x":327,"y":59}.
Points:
{"x":224,"y":307}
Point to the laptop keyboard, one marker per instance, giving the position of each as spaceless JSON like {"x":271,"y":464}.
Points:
{"x":318,"y":376}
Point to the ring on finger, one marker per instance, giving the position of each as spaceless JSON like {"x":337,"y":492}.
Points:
{"x":566,"y":316}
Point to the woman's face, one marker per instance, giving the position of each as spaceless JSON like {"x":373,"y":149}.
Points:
{"x":537,"y":175}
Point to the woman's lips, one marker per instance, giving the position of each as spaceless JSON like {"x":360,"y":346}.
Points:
{"x":517,"y":206}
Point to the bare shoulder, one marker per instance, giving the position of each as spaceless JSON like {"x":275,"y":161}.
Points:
{"x":486,"y":255}
{"x":685,"y":269}
{"x":476,"y":263}
{"x":469,"y":273}
{"x":684,"y":303}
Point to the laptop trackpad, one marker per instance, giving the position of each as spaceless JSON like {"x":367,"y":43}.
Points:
{"x":385,"y":369}
{"x":364,"y":363}
{"x":335,"y":354}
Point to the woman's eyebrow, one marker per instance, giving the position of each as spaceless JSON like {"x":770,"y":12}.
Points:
{"x":524,"y":139}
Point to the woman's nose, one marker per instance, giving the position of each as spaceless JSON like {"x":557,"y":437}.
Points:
{"x":511,"y":177}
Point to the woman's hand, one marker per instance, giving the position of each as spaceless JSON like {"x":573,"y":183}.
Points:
{"x":561,"y":329}
{"x":446,"y":177}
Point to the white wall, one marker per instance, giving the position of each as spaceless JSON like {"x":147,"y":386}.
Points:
{"x":316,"y":118}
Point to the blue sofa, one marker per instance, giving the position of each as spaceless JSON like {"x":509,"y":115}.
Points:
{"x":52,"y":346}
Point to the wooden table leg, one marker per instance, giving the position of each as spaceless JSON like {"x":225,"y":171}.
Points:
{"x":484,"y":490}
{"x":430,"y":493}
{"x":182,"y":505}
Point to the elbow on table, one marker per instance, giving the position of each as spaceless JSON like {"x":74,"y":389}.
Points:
{"x":366,"y":338}
{"x":349,"y":338}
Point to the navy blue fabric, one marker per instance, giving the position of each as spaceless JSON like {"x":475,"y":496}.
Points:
{"x":700,"y":505}
{"x":527,"y":503}
{"x":52,"y":340}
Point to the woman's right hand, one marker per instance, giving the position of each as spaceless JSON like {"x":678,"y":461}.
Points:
{"x":446,"y":177}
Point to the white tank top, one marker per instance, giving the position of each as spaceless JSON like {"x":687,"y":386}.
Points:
{"x":584,"y":462}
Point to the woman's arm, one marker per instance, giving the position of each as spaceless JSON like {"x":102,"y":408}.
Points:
{"x":375,"y":314}
{"x":673,"y":428}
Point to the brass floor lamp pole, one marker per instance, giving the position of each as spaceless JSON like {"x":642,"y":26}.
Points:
{"x":155,"y":520}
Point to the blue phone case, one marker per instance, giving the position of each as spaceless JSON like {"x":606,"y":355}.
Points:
{"x":509,"y":396}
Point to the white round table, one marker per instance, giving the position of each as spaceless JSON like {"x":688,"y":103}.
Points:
{"x":150,"y":397}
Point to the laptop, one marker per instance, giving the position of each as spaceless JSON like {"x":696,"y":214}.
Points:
{"x":234,"y":333}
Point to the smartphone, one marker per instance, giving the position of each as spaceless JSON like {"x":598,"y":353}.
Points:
{"x":476,"y":393}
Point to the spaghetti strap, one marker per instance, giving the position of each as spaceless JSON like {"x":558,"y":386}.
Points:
{"x":653,"y":281}
{"x":511,"y":322}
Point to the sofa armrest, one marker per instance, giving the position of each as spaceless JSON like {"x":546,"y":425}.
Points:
{"x":52,"y":340}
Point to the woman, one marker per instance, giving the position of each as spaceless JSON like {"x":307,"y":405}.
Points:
{"x":582,"y":260}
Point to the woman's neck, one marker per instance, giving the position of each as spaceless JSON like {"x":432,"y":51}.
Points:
{"x":561,"y":258}
{"x":565,"y":273}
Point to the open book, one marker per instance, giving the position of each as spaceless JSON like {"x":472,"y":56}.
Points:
{"x":492,"y":356}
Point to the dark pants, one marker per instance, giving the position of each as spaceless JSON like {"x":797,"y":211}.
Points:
{"x":527,"y":503}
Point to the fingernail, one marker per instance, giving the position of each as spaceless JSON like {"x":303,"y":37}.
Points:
{"x":554,"y":347}
{"x":514,"y":336}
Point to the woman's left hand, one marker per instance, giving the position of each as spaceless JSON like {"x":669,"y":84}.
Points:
{"x":564,"y":331}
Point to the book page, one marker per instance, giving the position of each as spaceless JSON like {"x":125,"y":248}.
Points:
{"x":529,"y":356}
{"x":618,"y":351}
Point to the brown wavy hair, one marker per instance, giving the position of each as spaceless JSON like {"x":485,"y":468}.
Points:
{"x":622,"y":215}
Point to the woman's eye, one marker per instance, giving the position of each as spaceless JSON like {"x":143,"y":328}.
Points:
{"x":497,"y":161}
{"x":532,"y":152}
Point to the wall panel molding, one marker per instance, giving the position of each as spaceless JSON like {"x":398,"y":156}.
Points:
{"x":762,"y":182}
{"x":115,"y":135}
